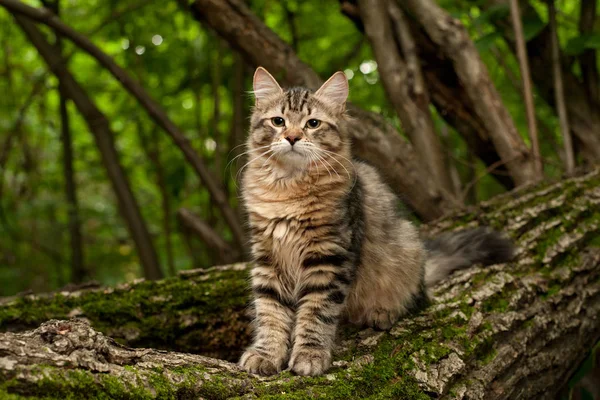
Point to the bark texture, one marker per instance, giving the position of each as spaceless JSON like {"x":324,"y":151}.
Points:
{"x":513,"y":330}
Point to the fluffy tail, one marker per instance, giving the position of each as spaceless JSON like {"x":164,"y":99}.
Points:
{"x":456,"y":250}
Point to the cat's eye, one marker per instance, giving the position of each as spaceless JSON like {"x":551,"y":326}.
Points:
{"x":313,"y":123}
{"x":278,"y":121}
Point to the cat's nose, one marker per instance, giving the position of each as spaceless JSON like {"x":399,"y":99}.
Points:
{"x":293,"y":138}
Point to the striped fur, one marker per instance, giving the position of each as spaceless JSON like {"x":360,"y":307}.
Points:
{"x":327,"y":240}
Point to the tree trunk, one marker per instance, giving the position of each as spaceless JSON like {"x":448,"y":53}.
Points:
{"x":448,"y":95}
{"x":454,"y":41}
{"x":513,"y":330}
{"x":78,"y":270}
{"x":588,"y":61}
{"x":403,"y":83}
{"x":98,"y":125}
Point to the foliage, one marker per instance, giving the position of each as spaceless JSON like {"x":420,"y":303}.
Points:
{"x":190,"y":72}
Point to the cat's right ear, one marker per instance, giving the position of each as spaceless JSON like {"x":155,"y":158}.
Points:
{"x":264,"y":85}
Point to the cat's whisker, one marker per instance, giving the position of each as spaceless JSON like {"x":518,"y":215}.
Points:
{"x":244,"y":153}
{"x":251,"y":161}
{"x":267,"y":160}
{"x":320,"y":160}
{"x":332,"y":156}
{"x":323,"y":161}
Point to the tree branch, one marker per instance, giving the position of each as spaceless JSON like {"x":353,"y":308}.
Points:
{"x":499,"y":332}
{"x":454,"y":41}
{"x":559,"y":92}
{"x":584,"y":120}
{"x":404,"y":87}
{"x":517,"y":24}
{"x":204,"y":231}
{"x":152,"y":108}
{"x":99,"y":127}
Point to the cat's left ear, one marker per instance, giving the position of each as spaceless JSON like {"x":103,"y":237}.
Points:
{"x":335,"y":90}
{"x":264,"y":85}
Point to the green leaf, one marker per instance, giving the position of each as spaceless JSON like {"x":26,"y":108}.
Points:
{"x":532,"y":25}
{"x":575,"y":46}
{"x":593,"y":41}
{"x":486,"y":42}
{"x":494,"y":13}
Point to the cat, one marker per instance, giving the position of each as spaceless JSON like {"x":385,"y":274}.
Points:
{"x":326,"y":237}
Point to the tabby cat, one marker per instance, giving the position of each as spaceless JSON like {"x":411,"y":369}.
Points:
{"x":327,"y":240}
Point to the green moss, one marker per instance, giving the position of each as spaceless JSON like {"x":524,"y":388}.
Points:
{"x":183,"y":314}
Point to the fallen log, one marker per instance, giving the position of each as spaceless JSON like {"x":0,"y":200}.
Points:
{"x":515,"y":330}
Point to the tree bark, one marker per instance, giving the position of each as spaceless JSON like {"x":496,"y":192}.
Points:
{"x":152,"y":108}
{"x":98,"y":125}
{"x":403,"y":83}
{"x":374,"y":139}
{"x":507,"y":331}
{"x":517,"y":24}
{"x":454,"y":41}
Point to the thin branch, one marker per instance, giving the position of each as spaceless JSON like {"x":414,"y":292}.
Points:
{"x":207,"y":234}
{"x":403,"y":83}
{"x":527,"y":89}
{"x":587,"y":60}
{"x":559,"y":93}
{"x":152,"y":107}
{"x":452,"y":39}
{"x":98,"y":125}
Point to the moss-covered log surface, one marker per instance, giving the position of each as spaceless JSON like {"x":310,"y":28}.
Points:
{"x":514,"y":330}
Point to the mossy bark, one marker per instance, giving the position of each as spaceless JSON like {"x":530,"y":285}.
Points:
{"x":506,"y":331}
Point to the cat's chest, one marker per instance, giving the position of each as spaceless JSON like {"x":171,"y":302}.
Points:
{"x":286,"y":240}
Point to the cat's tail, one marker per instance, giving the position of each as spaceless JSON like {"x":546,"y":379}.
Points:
{"x":455,"y":250}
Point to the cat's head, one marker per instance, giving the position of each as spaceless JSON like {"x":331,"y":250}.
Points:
{"x":296,"y":129}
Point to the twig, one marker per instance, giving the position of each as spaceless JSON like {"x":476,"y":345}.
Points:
{"x":527,"y":87}
{"x":559,"y":94}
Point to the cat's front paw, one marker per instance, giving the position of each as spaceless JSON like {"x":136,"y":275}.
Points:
{"x":310,"y":362}
{"x":255,"y":363}
{"x":383,"y":319}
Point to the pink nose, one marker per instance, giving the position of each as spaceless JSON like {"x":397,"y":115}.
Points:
{"x":292,"y":138}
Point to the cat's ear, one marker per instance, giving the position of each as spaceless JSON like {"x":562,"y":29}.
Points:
{"x":335,"y":90}
{"x":264,"y":85}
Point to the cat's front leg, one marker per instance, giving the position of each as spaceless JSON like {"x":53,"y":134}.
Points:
{"x":273,"y":323}
{"x":321,"y":301}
